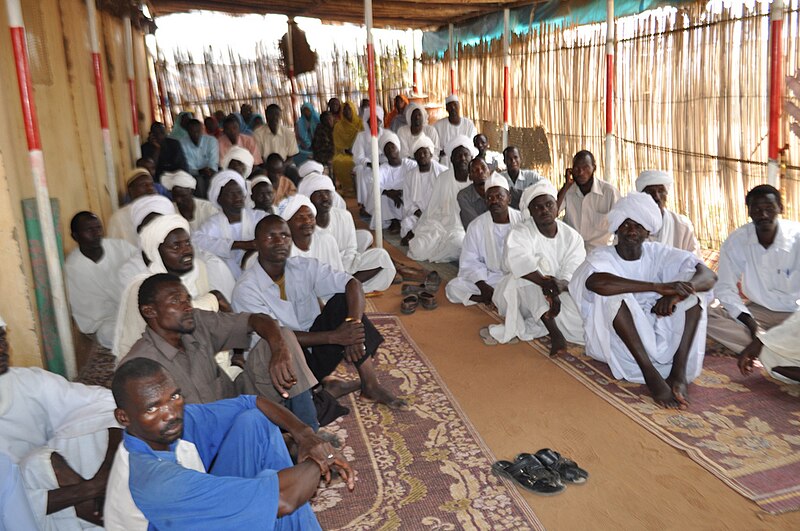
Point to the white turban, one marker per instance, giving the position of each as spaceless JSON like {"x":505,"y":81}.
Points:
{"x":495,"y":179}
{"x":178,"y":178}
{"x":148,"y":204}
{"x":220,"y":180}
{"x":292,"y":204}
{"x":461,"y":141}
{"x":451,"y":98}
{"x":314,"y":183}
{"x":2,"y":322}
{"x":154,"y":234}
{"x":410,"y":109}
{"x":422,"y":141}
{"x":651,"y":177}
{"x":542,"y":187}
{"x":242,"y":155}
{"x":135,"y":174}
{"x":378,"y":113}
{"x":309,"y":167}
{"x":252,"y":183}
{"x":640,"y":208}
{"x":387,"y":136}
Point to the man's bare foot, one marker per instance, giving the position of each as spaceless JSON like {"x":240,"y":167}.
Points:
{"x":662,"y":394}
{"x":558,"y":345}
{"x":339,"y":388}
{"x":379,"y":394}
{"x":680,"y":390}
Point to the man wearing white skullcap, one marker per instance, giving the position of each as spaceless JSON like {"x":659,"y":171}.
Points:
{"x":392,"y":176}
{"x":300,"y":213}
{"x":480,"y":264}
{"x":541,"y":255}
{"x":229,"y":234}
{"x":471,"y":202}
{"x":93,"y":284}
{"x":182,"y":186}
{"x":417,"y":118}
{"x":120,"y":225}
{"x":439,"y":232}
{"x":362,"y":158}
{"x":676,"y":230}
{"x":239,"y":160}
{"x":418,"y":186}
{"x":145,"y":208}
{"x":518,"y":179}
{"x":312,"y":166}
{"x":586,"y":200}
{"x":644,"y":304}
{"x":58,"y":438}
{"x":453,"y":126}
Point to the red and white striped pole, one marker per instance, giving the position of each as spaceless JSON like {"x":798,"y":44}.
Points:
{"x":136,"y":145}
{"x":290,"y":64}
{"x":506,"y":74}
{"x":776,"y":12}
{"x":45,"y":212}
{"x":373,"y":128}
{"x":610,"y":45}
{"x":452,"y":51}
{"x":99,"y":85}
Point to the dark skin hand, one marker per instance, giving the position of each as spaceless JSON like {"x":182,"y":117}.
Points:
{"x":487,"y":292}
{"x":750,"y":323}
{"x":395,"y":195}
{"x":746,"y":359}
{"x":280,"y":365}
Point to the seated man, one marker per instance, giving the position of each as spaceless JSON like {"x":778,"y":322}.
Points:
{"x":541,"y":255}
{"x":93,"y":283}
{"x":418,"y":185}
{"x":417,"y":118}
{"x":480,"y":265}
{"x":300,"y":213}
{"x":518,"y":179}
{"x":239,"y":160}
{"x":452,"y":127}
{"x":676,"y":230}
{"x":392,"y":176}
{"x":290,"y":288}
{"x":15,"y":510}
{"x":182,"y":186}
{"x":362,"y":158}
{"x":262,"y":194}
{"x":166,"y":151}
{"x":202,"y":155}
{"x":284,"y":187}
{"x":58,"y":433}
{"x":276,"y":137}
{"x":764,"y":258}
{"x":439,"y":232}
{"x":121,"y":226}
{"x":644,"y":304}
{"x":493,"y":159}
{"x":222,"y":465}
{"x":312,"y":167}
{"x":373,"y":267}
{"x":233,"y":136}
{"x":586,"y":201}
{"x":471,"y":202}
{"x":778,"y":351}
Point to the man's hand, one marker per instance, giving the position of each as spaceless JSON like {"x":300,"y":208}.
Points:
{"x":418,"y":213}
{"x":555,"y":306}
{"x":224,"y":305}
{"x":750,"y":323}
{"x":280,"y":371}
{"x":748,"y":356}
{"x":311,"y":446}
{"x":487,"y":292}
{"x":348,"y":333}
{"x":353,"y":353}
{"x":679,"y":289}
{"x":665,"y":305}
{"x":568,"y":180}
{"x":396,"y":196}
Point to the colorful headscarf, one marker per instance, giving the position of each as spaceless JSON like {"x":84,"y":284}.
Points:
{"x":345,"y":131}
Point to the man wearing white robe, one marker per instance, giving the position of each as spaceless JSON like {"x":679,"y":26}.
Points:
{"x":518,"y":179}
{"x":541,"y":255}
{"x":372,"y":267}
{"x":362,"y":157}
{"x":313,"y":167}
{"x":417,"y":118}
{"x":307,"y":241}
{"x":644,"y":304}
{"x":418,"y":185}
{"x":120,"y":226}
{"x":239,"y":160}
{"x":778,"y":350}
{"x":182,"y":186}
{"x":92,"y":272}
{"x":452,"y":127}
{"x":676,"y":230}
{"x":392,"y":176}
{"x":480,"y":265}
{"x":439,"y":232}
{"x":62,"y":436}
{"x":229,"y":234}
{"x":493,"y":159}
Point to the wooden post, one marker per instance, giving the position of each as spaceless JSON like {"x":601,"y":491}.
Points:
{"x":136,"y":144}
{"x":776,"y":12}
{"x":452,"y":52}
{"x":373,"y":128}
{"x":506,"y":75}
{"x":610,"y":45}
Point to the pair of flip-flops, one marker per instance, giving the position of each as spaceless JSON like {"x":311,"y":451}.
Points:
{"x":430,"y":280}
{"x":490,"y":341}
{"x":413,"y":300}
{"x":544,"y":472}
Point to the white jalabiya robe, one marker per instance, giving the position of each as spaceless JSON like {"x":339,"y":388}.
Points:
{"x":120,"y":226}
{"x":417,"y":191}
{"x":407,"y":140}
{"x":362,"y":155}
{"x":392,"y":178}
{"x":660,"y":335}
{"x":521,"y":301}
{"x":448,"y":131}
{"x":439,"y":232}
{"x":781,"y":347}
{"x":677,"y":231}
{"x":94,"y":289}
{"x":343,"y":231}
{"x":41,"y":412}
{"x":203,"y":210}
{"x":217,"y":236}
{"x":481,"y":257}
{"x":324,"y":248}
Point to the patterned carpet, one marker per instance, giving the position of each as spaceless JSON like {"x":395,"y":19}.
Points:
{"x":422,"y":468}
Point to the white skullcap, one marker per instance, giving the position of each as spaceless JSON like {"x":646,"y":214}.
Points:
{"x":542,"y":187}
{"x":313,"y":183}
{"x":178,"y":178}
{"x":410,"y":109}
{"x":309,"y":167}
{"x":242,"y":155}
{"x":154,"y":234}
{"x":148,"y":204}
{"x":378,"y":113}
{"x":135,"y":174}
{"x":461,"y":141}
{"x":387,"y":136}
{"x":450,"y":99}
{"x":640,"y":208}
{"x":292,"y":204}
{"x":495,"y":179}
{"x":651,"y":177}
{"x":422,"y":141}
{"x":220,"y":180}
{"x":255,"y":181}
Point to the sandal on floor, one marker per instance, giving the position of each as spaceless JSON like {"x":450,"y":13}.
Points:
{"x":490,"y":341}
{"x":398,"y":279}
{"x":428,"y":301}
{"x":433,"y":281}
{"x":409,"y":304}
{"x":409,"y":289}
{"x":564,"y":466}
{"x":531,"y":475}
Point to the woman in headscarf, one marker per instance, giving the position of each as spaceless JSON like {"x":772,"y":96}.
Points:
{"x":179,"y":127}
{"x":322,"y":144}
{"x":400,"y":103}
{"x":256,"y":121}
{"x":344,"y":134}
{"x":304,"y":131}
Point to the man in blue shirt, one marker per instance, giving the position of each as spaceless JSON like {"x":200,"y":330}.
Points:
{"x":202,"y":155}
{"x":251,"y":482}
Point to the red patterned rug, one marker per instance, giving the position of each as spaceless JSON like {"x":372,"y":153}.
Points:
{"x":422,"y":468}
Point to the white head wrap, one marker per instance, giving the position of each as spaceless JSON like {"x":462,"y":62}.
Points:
{"x":640,"y":208}
{"x":314,"y":183}
{"x":542,"y":187}
{"x":423,"y":141}
{"x":292,"y":204}
{"x":178,"y":178}
{"x":2,"y":322}
{"x":495,"y":179}
{"x":252,"y":183}
{"x":309,"y":167}
{"x":461,"y":141}
{"x":451,"y":98}
{"x":410,"y":109}
{"x":135,"y":174}
{"x":651,"y":177}
{"x":220,"y":180}
{"x":154,"y":234}
{"x":386,"y":137}
{"x":242,"y":155}
{"x":148,"y":204}
{"x":378,"y":113}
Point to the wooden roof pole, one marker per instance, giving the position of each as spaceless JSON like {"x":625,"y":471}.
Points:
{"x":290,"y":64}
{"x":127,"y":34}
{"x":452,"y":53}
{"x":373,"y":128}
{"x":776,"y":11}
{"x":506,"y":75}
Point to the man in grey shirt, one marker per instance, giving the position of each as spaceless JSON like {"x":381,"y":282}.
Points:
{"x":470,"y":200}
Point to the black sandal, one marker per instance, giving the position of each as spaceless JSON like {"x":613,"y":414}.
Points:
{"x":564,"y":466}
{"x":531,"y":475}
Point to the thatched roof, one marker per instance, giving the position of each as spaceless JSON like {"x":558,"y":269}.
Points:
{"x":401,"y":14}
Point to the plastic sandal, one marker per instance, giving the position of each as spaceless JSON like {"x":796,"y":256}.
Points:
{"x":428,"y":301}
{"x":409,"y":304}
{"x":408,"y":289}
{"x":531,"y":475}
{"x":564,"y":466}
{"x":432,"y":282}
